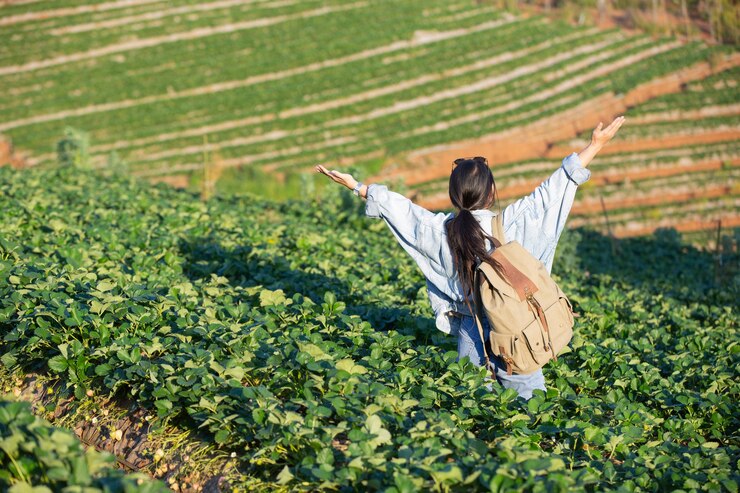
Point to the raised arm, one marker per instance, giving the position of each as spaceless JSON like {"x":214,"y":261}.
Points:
{"x":344,"y":179}
{"x":418,"y":230}
{"x":537,"y":220}
{"x":599,"y":138}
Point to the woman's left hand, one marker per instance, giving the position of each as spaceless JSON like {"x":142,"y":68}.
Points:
{"x":342,"y":178}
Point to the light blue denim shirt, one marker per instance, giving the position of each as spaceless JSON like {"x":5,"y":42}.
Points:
{"x":535,"y":221}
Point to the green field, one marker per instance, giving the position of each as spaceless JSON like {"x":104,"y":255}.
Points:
{"x":297,"y":337}
{"x":318,"y":81}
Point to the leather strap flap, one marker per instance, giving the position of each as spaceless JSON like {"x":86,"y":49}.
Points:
{"x":515,"y":278}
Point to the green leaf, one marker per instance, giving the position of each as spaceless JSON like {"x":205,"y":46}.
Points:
{"x":374,"y":426}
{"x":325,"y":456}
{"x":349,"y":366}
{"x":9,"y":360}
{"x":106,"y":285}
{"x":272,"y":298}
{"x":314,"y":351}
{"x":58,"y":364}
{"x":104,"y":369}
{"x":221,"y":436}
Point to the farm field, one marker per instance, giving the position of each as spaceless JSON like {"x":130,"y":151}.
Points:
{"x":270,"y":337}
{"x":293,"y":341}
{"x":170,"y":86}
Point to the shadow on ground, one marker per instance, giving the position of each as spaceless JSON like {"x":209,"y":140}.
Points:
{"x":247,"y":267}
{"x":660,"y":262}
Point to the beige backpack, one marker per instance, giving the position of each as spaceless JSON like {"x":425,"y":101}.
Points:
{"x":531,"y":320}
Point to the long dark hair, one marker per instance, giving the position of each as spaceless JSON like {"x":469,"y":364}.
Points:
{"x":471,"y":188}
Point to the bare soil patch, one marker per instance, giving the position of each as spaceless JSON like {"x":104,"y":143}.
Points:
{"x":536,"y":139}
{"x":593,"y":206}
{"x":521,"y":188}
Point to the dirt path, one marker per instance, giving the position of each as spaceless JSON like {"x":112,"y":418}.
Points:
{"x":533,"y":140}
{"x":520,"y":188}
{"x":202,"y":32}
{"x":418,"y":40}
{"x":159,"y":14}
{"x":65,"y":12}
{"x":593,"y":206}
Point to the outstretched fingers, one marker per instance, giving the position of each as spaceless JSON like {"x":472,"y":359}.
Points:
{"x":611,"y":130}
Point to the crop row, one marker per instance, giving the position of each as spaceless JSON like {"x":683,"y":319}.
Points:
{"x":59,"y":36}
{"x":211,"y":59}
{"x":321,"y":84}
{"x":351,"y":142}
{"x":658,"y":129}
{"x":651,"y":215}
{"x":312,"y":355}
{"x":607,"y":164}
{"x":358,"y":119}
{"x":716,"y":90}
{"x":46,"y":44}
{"x":383,"y":133}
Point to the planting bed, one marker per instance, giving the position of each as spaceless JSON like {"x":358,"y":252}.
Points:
{"x":297,"y":339}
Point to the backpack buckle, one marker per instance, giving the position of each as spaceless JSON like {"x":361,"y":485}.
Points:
{"x":528,"y":293}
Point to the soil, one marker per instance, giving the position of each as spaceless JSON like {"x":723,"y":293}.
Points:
{"x":525,"y":187}
{"x":536,"y":139}
{"x":9,"y":155}
{"x":132,"y":448}
{"x":594,"y":205}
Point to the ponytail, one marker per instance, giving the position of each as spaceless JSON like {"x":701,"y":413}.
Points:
{"x":471,"y":188}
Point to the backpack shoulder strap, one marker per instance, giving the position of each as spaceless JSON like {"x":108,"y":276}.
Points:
{"x":497,"y":229}
{"x":477,"y":315}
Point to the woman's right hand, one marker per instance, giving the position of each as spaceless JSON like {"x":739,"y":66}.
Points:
{"x":600,"y":136}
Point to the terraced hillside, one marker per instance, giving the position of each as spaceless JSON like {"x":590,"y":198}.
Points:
{"x":279,"y":85}
{"x":675,"y":165}
{"x":152,"y":82}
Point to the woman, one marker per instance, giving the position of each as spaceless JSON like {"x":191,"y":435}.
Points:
{"x":445,"y":246}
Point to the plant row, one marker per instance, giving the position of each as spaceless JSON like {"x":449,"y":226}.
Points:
{"x":299,"y":336}
{"x":36,"y":457}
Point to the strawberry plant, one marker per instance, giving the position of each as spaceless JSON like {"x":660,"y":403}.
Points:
{"x":298,"y":337}
{"x":37,"y":457}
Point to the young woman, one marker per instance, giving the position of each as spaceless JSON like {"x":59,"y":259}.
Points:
{"x":445,"y":246}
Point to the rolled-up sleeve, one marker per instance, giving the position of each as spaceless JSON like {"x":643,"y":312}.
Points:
{"x":372,"y":206}
{"x":575,"y":171}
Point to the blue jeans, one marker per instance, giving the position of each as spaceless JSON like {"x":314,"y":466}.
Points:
{"x":470,"y":345}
